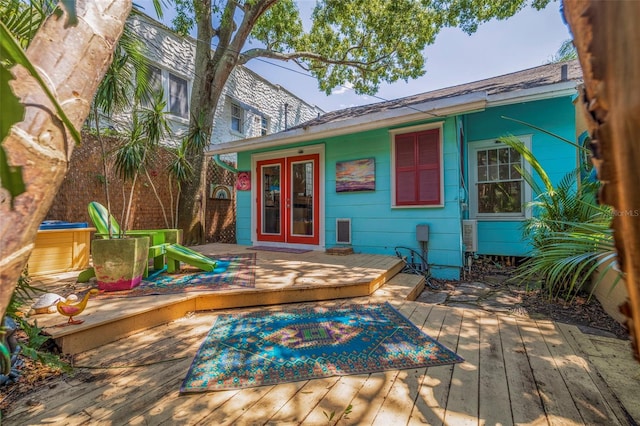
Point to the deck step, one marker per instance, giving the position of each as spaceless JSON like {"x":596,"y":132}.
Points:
{"x":403,"y":286}
{"x":107,"y":320}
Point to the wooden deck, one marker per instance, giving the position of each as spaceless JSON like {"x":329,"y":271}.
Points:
{"x":517,"y":371}
{"x":279,"y":278}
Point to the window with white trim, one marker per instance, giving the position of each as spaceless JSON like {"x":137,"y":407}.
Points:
{"x":260,"y":125}
{"x":178,"y":96}
{"x":237,"y":118}
{"x":497,"y":187}
{"x":154,"y":80}
{"x":175,"y":90}
{"x":417,"y":167}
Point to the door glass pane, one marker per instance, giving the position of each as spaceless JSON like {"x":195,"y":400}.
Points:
{"x":271,"y":199}
{"x":302,"y":198}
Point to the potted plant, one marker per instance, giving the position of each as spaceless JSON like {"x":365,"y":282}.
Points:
{"x":120,"y":260}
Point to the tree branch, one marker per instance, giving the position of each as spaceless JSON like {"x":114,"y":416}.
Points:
{"x":295,"y":56}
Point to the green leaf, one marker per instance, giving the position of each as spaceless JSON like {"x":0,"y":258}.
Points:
{"x":11,"y":47}
{"x":12,"y":109}
{"x":10,"y":177}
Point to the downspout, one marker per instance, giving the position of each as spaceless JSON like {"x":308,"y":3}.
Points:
{"x":219,"y":162}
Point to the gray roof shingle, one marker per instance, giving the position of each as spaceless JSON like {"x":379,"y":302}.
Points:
{"x":526,"y":79}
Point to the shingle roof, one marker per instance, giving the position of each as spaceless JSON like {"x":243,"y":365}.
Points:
{"x":530,"y":78}
{"x":550,"y":80}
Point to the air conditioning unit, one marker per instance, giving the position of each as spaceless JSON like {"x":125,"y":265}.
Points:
{"x":343,"y":231}
{"x":470,"y":235}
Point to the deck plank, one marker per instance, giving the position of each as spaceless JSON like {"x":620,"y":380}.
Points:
{"x":558,"y":404}
{"x":337,"y":404}
{"x":397,"y":407}
{"x":431,"y":406}
{"x":424,"y":402}
{"x":493,"y":393}
{"x":273,"y":401}
{"x":304,"y":401}
{"x":526,"y":405}
{"x":99,"y":384}
{"x":462,"y":403}
{"x":575,"y":371}
{"x":228,"y":413}
{"x":616,"y":376}
{"x":509,"y":364}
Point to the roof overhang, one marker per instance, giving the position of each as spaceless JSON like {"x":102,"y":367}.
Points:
{"x":557,"y":90}
{"x":433,"y":109}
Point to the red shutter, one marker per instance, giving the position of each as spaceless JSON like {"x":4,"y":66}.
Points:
{"x":405,"y":170}
{"x":429,"y":167}
{"x":417,"y":168}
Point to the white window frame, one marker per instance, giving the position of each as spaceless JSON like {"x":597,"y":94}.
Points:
{"x":412,"y":129}
{"x":260,"y":125}
{"x":165,"y":76}
{"x":186,"y":80}
{"x":240,"y":118}
{"x":472,"y":167}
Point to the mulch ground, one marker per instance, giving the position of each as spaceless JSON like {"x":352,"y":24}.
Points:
{"x":587,"y":314}
{"x":582,"y":311}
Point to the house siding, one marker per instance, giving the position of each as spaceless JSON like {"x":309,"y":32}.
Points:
{"x":257,"y":96}
{"x":541,"y":96}
{"x":376,"y":227}
{"x":504,"y":237}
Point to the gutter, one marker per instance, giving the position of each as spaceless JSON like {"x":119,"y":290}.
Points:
{"x":219,"y":162}
{"x":557,"y":90}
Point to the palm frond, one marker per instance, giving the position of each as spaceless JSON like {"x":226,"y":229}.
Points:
{"x":23,"y":19}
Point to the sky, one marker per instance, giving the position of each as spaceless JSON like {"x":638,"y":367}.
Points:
{"x":528,"y":39}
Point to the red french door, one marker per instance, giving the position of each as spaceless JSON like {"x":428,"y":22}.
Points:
{"x":288,"y":205}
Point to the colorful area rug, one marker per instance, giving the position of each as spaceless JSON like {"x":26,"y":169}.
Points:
{"x":279,"y":249}
{"x":232,"y":271}
{"x":266,"y":348}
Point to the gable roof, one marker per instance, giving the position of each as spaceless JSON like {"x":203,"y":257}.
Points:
{"x":543,"y":82}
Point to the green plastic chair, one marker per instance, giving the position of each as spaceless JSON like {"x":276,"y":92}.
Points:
{"x":164,"y":247}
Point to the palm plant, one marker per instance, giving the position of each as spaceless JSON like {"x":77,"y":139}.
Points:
{"x":566,"y":52}
{"x":125,"y":83}
{"x":148,"y":127}
{"x":569,"y":231}
{"x":24,"y":18}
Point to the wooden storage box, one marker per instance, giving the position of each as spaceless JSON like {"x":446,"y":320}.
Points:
{"x":60,"y":247}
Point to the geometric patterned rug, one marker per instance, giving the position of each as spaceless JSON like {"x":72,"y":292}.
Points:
{"x":265,"y":348}
{"x":232,"y":271}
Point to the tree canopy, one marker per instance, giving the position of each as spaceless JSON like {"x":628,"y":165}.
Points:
{"x":363,"y":43}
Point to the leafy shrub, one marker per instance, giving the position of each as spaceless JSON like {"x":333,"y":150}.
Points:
{"x":570,"y":233}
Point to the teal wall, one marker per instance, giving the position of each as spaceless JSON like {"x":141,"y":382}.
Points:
{"x":556,"y":157}
{"x":375,"y":226}
{"x":378,"y":228}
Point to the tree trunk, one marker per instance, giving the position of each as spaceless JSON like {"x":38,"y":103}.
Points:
{"x":607,"y":36}
{"x":211,"y":74}
{"x":201,"y":120}
{"x":73,"y":61}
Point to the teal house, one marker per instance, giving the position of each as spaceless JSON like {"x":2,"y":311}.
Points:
{"x":424,"y":171}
